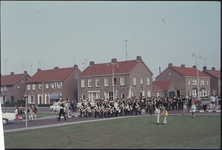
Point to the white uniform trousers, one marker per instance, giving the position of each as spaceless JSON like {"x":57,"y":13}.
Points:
{"x":158,"y":118}
{"x":165,"y":119}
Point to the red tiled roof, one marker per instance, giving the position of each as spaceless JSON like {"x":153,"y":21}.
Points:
{"x":215,"y":73}
{"x":189,"y":71}
{"x":11,"y":79}
{"x":161,"y":85}
{"x":104,"y":68}
{"x":51,"y":75}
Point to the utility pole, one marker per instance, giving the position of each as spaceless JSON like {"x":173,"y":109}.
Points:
{"x":126,"y":49}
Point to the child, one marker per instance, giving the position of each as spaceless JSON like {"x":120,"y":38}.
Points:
{"x":165,"y":114}
{"x":211,"y":107}
{"x":193,"y":108}
{"x":184,"y":108}
{"x":157,"y":113}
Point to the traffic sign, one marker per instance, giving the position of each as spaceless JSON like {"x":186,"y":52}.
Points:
{"x":25,"y":94}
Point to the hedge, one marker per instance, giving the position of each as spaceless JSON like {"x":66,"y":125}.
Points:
{"x":44,"y":105}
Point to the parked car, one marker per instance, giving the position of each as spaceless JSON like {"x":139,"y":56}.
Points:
{"x":195,"y":100}
{"x":55,"y":107}
{"x":6,"y":117}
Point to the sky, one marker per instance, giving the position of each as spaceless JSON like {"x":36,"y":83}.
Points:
{"x":46,"y":34}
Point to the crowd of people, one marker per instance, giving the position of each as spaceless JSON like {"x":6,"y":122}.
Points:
{"x":21,"y":113}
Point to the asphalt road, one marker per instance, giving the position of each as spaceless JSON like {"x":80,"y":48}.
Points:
{"x":50,"y":121}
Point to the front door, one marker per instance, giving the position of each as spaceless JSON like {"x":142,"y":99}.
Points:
{"x":171,"y":94}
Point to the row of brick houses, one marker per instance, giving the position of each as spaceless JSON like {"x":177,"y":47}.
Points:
{"x":98,"y":81}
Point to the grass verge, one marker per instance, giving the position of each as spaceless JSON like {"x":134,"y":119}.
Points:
{"x":181,"y":132}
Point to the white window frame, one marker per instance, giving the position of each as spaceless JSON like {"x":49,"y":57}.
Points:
{"x":28,"y":87}
{"x":122,"y":80}
{"x":83,"y":83}
{"x":148,"y":94}
{"x":134,"y":80}
{"x":188,"y":82}
{"x":2,"y":88}
{"x":19,"y":87}
{"x":33,"y":87}
{"x":97,"y":82}
{"x":113,"y":81}
{"x":47,"y":86}
{"x":148,"y":81}
{"x":201,"y":82}
{"x":40,"y":86}
{"x":53,"y":85}
{"x":89,"y":81}
{"x":59,"y":85}
{"x":158,"y":94}
{"x":141,"y":81}
{"x":194,"y":82}
{"x":106,"y":82}
{"x":5,"y":88}
{"x":46,"y":102}
{"x":207,"y":83}
{"x":169,"y":74}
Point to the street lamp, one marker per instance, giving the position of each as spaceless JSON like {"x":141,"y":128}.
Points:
{"x":198,"y":88}
{"x":113,"y":64}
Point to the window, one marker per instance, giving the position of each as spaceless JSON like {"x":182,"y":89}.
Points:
{"x":59,"y":85}
{"x":18,"y":86}
{"x":5,"y":89}
{"x":40,"y":86}
{"x":194,"y":82}
{"x":83,"y":97}
{"x":134,"y":81}
{"x":93,"y":95}
{"x":114,"y":81}
{"x":207,"y":83}
{"x":201,"y":82}
{"x":122,"y":81}
{"x":89,"y":82}
{"x":82,"y":83}
{"x":141,"y":81}
{"x":169,"y":74}
{"x":10,"y":88}
{"x":122,"y":95}
{"x":188,"y":82}
{"x":194,"y":93}
{"x":148,"y":94}
{"x":148,"y":81}
{"x":1,"y":88}
{"x":28,"y":87}
{"x":97,"y":82}
{"x":33,"y":87}
{"x":106,"y":83}
{"x":47,"y":86}
{"x":157,"y":94}
{"x":53,"y":85}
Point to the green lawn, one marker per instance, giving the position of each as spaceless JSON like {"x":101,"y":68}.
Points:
{"x":181,"y":132}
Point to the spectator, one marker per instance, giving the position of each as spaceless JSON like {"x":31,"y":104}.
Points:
{"x":193,"y":108}
{"x":204,"y":107}
{"x":151,"y":107}
{"x":72,"y":105}
{"x":143,"y":105}
{"x":30,"y":112}
{"x":20,"y":112}
{"x":16,"y":113}
{"x":35,"y":111}
{"x":184,"y":108}
{"x":75,"y":106}
{"x":211,"y":107}
{"x":213,"y":99}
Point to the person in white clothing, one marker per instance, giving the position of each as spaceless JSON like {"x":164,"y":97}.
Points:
{"x":213,"y":100}
{"x":193,"y":108}
{"x":157,"y":113}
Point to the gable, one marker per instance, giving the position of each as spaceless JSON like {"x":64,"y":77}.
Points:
{"x":11,"y":79}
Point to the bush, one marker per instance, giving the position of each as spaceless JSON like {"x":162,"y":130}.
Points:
{"x":18,"y":103}
{"x":44,"y":105}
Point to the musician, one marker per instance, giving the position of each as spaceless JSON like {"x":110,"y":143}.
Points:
{"x":174,"y":101}
{"x":165,"y":102}
{"x":179,"y":102}
{"x":62,"y":111}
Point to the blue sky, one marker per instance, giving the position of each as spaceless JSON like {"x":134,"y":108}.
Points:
{"x":54,"y":33}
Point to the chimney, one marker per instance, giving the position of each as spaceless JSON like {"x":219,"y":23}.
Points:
{"x":91,"y":63}
{"x":204,"y":68}
{"x":160,"y":70}
{"x":138,"y":58}
{"x":213,"y":68}
{"x":114,"y":60}
{"x":76,"y":66}
{"x":12,"y":73}
{"x":194,"y":67}
{"x":183,"y":65}
{"x":38,"y":70}
{"x":25,"y":72}
{"x":56,"y":68}
{"x":170,"y":65}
